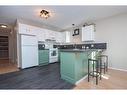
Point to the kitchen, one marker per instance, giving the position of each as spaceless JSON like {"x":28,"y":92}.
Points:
{"x":61,"y":52}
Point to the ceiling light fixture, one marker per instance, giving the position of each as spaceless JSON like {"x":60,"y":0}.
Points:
{"x":3,"y":26}
{"x":44,"y":14}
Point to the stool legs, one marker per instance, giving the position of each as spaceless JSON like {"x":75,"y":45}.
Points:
{"x":104,"y":65}
{"x":100,"y":69}
{"x":107,"y":64}
{"x":95,"y":70}
{"x":88,"y":70}
{"x":97,"y":73}
{"x":96,"y":80}
{"x":104,"y":68}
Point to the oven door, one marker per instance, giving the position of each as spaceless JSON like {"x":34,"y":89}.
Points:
{"x":53,"y":56}
{"x":53,"y":53}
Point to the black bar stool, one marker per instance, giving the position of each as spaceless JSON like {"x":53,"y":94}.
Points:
{"x":104,"y":62}
{"x":94,"y":70}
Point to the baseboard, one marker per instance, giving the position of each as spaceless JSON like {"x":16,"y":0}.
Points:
{"x":118,"y":69}
{"x":81,"y":79}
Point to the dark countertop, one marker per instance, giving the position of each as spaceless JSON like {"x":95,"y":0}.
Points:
{"x":77,"y":50}
{"x":44,"y":49}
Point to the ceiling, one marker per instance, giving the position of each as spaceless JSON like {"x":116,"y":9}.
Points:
{"x":62,"y":17}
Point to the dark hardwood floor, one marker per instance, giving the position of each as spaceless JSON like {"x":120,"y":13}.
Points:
{"x":42,"y":77}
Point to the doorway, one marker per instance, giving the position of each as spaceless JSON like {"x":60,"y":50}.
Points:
{"x":7,"y":63}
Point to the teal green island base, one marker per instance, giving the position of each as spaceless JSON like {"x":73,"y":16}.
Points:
{"x":73,"y":65}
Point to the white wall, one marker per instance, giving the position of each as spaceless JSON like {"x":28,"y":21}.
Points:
{"x":113,"y":30}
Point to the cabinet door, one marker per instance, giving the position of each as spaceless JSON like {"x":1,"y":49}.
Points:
{"x":40,"y":34}
{"x":27,"y":29}
{"x":51,"y":34}
{"x":31,"y":30}
{"x":22,"y":29}
{"x":39,"y":38}
{"x":47,"y":34}
{"x":68,"y":35}
{"x":58,"y":37}
{"x":28,"y":40}
{"x":43,"y":34}
{"x":88,"y":33}
{"x":43,"y":57}
{"x":63,"y":37}
{"x":32,"y":59}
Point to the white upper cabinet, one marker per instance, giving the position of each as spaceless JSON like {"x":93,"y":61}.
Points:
{"x":49,"y":34}
{"x":43,"y":34}
{"x":26,"y":29}
{"x":31,"y":30}
{"x":63,"y":37}
{"x":46,"y":34}
{"x":68,"y":36}
{"x":58,"y":37}
{"x":40,"y":34}
{"x":88,"y":33}
{"x":52,"y":35}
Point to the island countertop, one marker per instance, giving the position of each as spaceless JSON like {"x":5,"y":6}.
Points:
{"x":78,"y":50}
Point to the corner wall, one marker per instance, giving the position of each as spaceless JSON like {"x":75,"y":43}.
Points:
{"x":113,"y":30}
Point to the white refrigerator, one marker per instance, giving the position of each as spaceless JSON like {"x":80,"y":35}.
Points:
{"x":29,"y":51}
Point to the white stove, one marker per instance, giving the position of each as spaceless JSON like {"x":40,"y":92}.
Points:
{"x":53,"y":55}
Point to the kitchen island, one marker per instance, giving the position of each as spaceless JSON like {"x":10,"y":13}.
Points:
{"x":73,"y":64}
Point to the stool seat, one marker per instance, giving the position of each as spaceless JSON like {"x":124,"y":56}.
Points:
{"x":94,"y":74}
